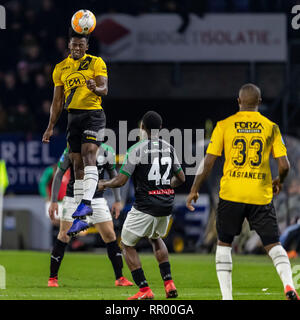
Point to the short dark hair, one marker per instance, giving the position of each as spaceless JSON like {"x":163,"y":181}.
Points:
{"x":152,"y":120}
{"x":73,"y":34}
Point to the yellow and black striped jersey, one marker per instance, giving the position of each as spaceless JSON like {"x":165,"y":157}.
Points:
{"x":73,"y":74}
{"x":247,"y":139}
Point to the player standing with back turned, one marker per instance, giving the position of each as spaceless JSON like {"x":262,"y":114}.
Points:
{"x":80,"y":81}
{"x":246,"y":188}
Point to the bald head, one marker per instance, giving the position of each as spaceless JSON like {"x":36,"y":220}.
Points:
{"x":249,"y":96}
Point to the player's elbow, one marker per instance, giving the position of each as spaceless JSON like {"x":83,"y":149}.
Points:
{"x":120,"y":180}
{"x":181,"y":177}
{"x":284,"y":165}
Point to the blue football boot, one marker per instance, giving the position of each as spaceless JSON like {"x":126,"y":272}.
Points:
{"x":77,"y":226}
{"x":82,"y":211}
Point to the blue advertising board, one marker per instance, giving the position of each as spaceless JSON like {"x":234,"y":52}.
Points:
{"x":26,"y":158}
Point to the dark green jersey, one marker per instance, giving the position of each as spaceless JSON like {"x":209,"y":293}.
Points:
{"x":152,"y":163}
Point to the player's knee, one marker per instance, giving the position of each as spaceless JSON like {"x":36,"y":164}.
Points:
{"x":125,"y":247}
{"x":108,"y":236}
{"x":159,"y":248}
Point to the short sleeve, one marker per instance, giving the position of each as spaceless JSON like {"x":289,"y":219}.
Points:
{"x":215,"y":145}
{"x":100,"y":68}
{"x":56,"y":76}
{"x":278,"y":147}
{"x":130,"y":162}
{"x":64,"y":162}
{"x":110,"y":160}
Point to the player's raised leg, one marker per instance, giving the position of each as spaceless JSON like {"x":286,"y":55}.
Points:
{"x":78,"y":174}
{"x":161,"y":254}
{"x":106,"y":230}
{"x":86,"y":174}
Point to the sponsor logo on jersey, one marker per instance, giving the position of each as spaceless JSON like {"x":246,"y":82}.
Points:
{"x":248,"y":127}
{"x":75,"y":79}
{"x":91,"y":138}
{"x":161,"y":191}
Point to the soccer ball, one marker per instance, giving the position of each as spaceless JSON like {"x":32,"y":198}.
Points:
{"x":83,"y":21}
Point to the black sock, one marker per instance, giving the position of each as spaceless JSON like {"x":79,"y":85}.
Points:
{"x":115,"y":256}
{"x":165,"y":271}
{"x":87,"y":202}
{"x":139,"y":278}
{"x":57,"y":255}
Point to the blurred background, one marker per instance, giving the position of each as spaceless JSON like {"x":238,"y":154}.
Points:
{"x":185,"y":59}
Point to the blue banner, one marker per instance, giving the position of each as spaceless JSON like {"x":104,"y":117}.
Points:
{"x":26,"y":158}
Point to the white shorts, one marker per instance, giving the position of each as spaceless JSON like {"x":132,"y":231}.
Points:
{"x":101,"y":212}
{"x":139,"y":225}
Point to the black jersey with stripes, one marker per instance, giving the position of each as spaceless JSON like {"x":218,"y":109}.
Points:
{"x":152,"y":163}
{"x":105,"y":161}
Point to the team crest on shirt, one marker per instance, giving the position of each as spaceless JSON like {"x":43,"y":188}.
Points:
{"x":84,"y":65}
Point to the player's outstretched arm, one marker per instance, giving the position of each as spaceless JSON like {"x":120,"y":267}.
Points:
{"x":283,"y":170}
{"x":178,"y":179}
{"x":203,"y":172}
{"x":55,"y":111}
{"x":115,"y":182}
{"x":117,"y":205}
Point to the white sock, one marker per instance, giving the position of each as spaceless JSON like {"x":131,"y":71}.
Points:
{"x":282,"y":264}
{"x":224,"y":270}
{"x":78,"y":191}
{"x":90,"y":182}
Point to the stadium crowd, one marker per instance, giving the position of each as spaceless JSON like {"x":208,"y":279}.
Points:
{"x":39,"y":41}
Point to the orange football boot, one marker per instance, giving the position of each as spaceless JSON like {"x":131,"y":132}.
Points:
{"x":290,"y":293}
{"x":171,"y":291}
{"x":53,"y":282}
{"x":144,"y":294}
{"x":123,"y":282}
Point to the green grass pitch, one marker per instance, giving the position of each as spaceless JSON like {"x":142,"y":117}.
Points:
{"x":90,"y":276}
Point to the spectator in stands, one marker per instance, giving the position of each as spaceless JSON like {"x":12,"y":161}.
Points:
{"x":24,"y":79}
{"x":42,"y":91}
{"x":43,"y":115}
{"x":21,"y":119}
{"x":9,"y":91}
{"x":294,"y":200}
{"x":3,"y":119}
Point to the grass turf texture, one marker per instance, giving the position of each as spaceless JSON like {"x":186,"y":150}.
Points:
{"x":90,"y":276}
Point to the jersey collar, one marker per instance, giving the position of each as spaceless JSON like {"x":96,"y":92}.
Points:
{"x":248,"y":112}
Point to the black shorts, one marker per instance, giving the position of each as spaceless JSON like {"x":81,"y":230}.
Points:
{"x":85,"y":126}
{"x":261,"y":218}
